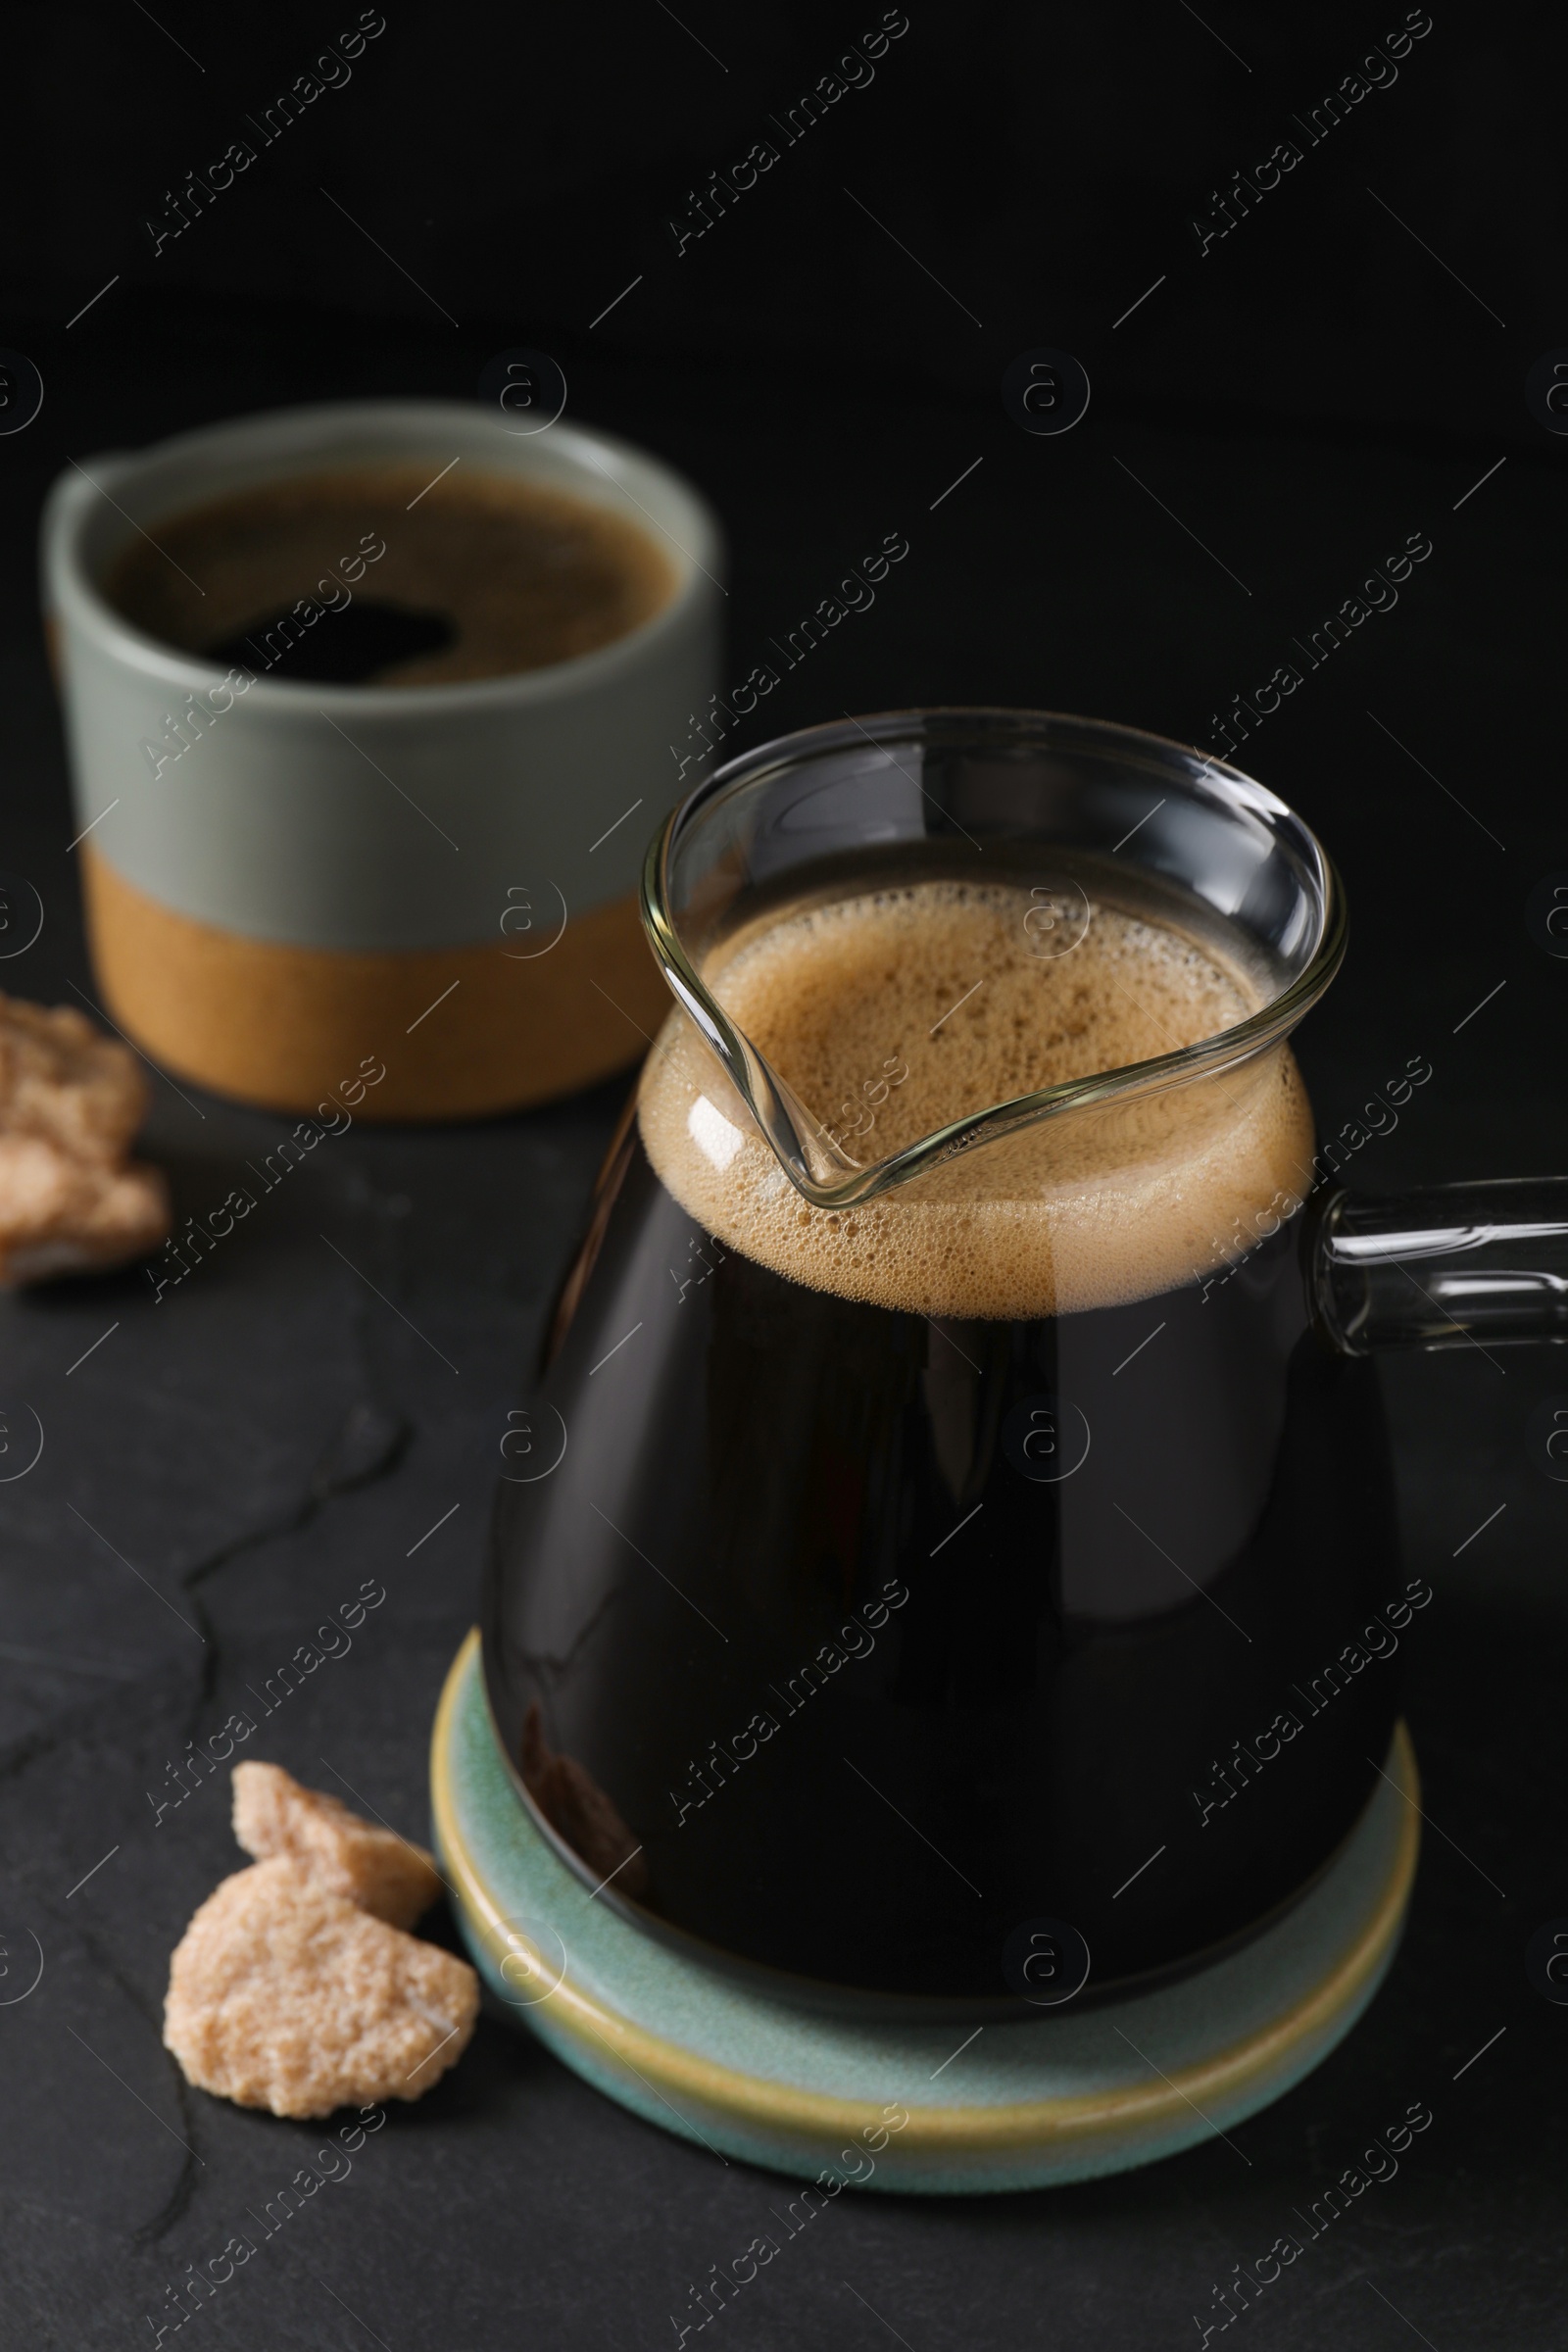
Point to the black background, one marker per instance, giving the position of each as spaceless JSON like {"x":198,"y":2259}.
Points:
{"x":1314,"y":388}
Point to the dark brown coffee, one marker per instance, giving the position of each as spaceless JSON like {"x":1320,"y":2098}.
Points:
{"x":888,"y":1587}
{"x":374,"y":574}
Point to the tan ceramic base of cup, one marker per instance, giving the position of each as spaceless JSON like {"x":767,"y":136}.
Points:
{"x":462,"y":1031}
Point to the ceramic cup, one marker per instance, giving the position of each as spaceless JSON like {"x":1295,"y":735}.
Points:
{"x":285,"y":879}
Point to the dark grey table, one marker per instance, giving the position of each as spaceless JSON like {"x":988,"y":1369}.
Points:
{"x":221,"y":1468}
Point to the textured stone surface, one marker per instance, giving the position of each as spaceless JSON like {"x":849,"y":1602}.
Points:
{"x":271,"y":1437}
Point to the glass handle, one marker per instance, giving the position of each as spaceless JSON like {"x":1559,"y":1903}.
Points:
{"x":1479,"y":1263}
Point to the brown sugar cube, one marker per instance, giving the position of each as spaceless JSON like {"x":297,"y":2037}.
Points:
{"x":71,"y":1101}
{"x":373,"y":1867}
{"x":284,"y":1995}
{"x":62,"y":1078}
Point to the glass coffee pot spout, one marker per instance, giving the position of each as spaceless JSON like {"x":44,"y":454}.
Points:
{"x":1062,"y":809}
{"x":1067,"y":807}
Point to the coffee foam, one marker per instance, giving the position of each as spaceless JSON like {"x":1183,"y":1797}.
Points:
{"x":526,"y":573}
{"x":940,"y":980}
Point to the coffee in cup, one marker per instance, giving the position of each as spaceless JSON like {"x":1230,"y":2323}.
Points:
{"x":480,"y":575}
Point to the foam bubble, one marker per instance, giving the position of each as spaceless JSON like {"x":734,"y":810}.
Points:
{"x":892,"y":1013}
